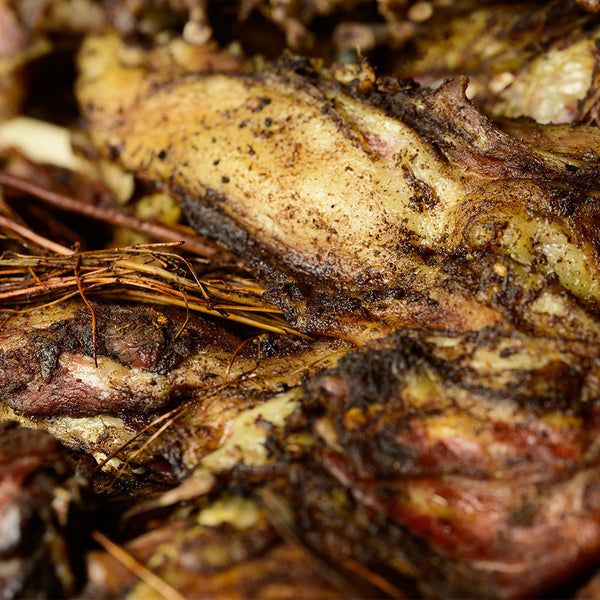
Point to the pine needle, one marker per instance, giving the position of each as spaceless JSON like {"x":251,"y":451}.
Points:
{"x":127,"y":560}
{"x":149,"y":274}
{"x":116,"y":217}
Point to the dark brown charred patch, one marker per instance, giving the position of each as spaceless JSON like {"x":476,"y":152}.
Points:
{"x":33,"y":380}
{"x":41,"y":549}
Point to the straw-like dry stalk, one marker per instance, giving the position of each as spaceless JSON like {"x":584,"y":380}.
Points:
{"x":146,"y":273}
{"x":41,"y":272}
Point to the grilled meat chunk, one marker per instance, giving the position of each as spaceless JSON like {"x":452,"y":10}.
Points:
{"x":44,"y":495}
{"x":218,"y":396}
{"x":480,"y":451}
{"x":385,"y":187}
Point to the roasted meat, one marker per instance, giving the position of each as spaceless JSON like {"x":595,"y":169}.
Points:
{"x":403,"y":200}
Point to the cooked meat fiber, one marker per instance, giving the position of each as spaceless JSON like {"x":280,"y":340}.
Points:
{"x":380,"y":192}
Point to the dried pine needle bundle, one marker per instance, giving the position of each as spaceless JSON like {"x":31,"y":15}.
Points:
{"x":145,"y":274}
{"x":41,"y":271}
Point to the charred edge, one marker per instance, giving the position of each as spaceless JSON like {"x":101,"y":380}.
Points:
{"x":209,"y":220}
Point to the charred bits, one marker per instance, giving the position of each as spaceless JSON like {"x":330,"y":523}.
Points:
{"x":256,"y":104}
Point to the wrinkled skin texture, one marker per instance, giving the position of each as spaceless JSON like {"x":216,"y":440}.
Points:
{"x":475,"y":453}
{"x":386,"y":189}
